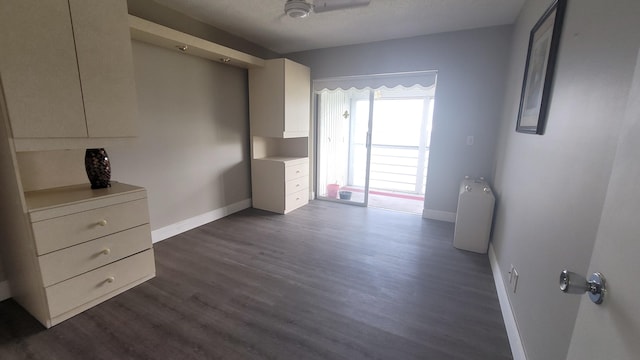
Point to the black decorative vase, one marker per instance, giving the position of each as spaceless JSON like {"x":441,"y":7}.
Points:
{"x":96,"y":162}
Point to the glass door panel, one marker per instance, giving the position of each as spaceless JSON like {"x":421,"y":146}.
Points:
{"x":343,"y":128}
{"x":397,"y":163}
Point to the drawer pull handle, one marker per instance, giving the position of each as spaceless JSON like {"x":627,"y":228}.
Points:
{"x":111,"y":279}
{"x":297,"y":171}
{"x":297,"y":185}
{"x":106,"y":251}
{"x":102,"y":222}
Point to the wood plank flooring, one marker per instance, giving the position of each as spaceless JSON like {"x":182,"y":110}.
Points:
{"x":327,"y":281}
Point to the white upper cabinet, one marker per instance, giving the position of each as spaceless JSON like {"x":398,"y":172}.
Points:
{"x":38,"y":69}
{"x":66,"y":68}
{"x":103,"y":45}
{"x":280,"y":99}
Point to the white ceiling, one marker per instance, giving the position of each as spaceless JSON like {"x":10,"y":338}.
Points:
{"x":262,"y":21}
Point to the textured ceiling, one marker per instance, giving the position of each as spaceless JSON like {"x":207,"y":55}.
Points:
{"x":263,"y":22}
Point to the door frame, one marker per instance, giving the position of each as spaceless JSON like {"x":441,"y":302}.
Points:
{"x":423,"y":148}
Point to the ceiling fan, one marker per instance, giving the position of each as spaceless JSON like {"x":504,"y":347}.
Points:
{"x":302,"y":8}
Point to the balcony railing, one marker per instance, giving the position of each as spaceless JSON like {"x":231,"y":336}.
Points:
{"x":398,"y":168}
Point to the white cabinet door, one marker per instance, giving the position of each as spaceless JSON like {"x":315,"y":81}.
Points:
{"x":279,"y":99}
{"x":66,"y":68}
{"x":266,"y":99}
{"x":611,"y":330}
{"x":103,"y":46}
{"x":297,"y":97}
{"x":38,"y":69}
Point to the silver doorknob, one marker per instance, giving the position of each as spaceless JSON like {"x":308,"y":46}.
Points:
{"x":572,"y":283}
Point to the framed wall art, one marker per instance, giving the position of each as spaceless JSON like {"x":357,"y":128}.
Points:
{"x":538,"y":74}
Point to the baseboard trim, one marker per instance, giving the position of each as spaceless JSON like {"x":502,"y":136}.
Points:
{"x":5,"y":292}
{"x":517,"y":349}
{"x":439,"y":215}
{"x":199,"y":220}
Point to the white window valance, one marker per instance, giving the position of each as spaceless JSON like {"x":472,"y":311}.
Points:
{"x":406,"y":79}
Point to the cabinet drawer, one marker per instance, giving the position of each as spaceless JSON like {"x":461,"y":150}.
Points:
{"x":64,"y":264}
{"x":296,"y":171}
{"x":295,"y":185}
{"x":296,"y":199}
{"x":65,"y":231}
{"x":79,"y":290}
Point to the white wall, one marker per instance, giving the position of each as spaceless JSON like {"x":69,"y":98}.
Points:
{"x":469,"y":96}
{"x":192,"y":153}
{"x":551,"y":188}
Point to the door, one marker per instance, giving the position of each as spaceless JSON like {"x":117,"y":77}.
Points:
{"x":612,"y":330}
{"x":400,"y":148}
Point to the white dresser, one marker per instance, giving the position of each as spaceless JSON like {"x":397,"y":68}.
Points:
{"x":88,"y":246}
{"x":281,"y":183}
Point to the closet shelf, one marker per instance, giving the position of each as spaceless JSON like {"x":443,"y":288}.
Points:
{"x":156,"y":34}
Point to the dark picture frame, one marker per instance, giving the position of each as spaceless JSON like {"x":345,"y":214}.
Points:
{"x":539,"y":68}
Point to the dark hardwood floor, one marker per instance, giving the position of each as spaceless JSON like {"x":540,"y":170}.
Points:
{"x":327,"y":281}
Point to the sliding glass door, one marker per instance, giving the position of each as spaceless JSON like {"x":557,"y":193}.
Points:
{"x":373,"y":142}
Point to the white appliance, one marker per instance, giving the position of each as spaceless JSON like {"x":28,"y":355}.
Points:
{"x":474,"y":215}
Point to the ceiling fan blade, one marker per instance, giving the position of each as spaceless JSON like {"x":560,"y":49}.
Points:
{"x":320,"y":6}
